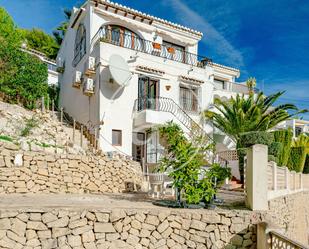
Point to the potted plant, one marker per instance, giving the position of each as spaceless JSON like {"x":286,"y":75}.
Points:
{"x":156,"y":45}
{"x":171,"y":50}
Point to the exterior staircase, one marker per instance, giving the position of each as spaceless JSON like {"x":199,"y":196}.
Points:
{"x":163,"y":104}
{"x":76,"y":137}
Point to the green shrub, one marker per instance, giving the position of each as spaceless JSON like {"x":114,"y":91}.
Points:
{"x":275,"y":149}
{"x":184,"y":161}
{"x":297,"y":159}
{"x":256,"y":137}
{"x":306,"y":167}
{"x":22,"y":76}
{"x":285,"y":138}
{"x":272,"y":158}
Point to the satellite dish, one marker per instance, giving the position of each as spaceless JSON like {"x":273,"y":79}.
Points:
{"x":119,"y":70}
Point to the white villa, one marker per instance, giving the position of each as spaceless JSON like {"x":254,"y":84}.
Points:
{"x":168,"y":80}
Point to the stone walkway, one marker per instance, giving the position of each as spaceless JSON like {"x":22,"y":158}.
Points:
{"x":80,"y":201}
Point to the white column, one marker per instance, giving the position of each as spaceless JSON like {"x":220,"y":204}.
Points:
{"x":294,"y":187}
{"x":256,"y":182}
{"x":287,"y":178}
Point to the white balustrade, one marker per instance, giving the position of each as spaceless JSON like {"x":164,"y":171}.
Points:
{"x":282,"y":181}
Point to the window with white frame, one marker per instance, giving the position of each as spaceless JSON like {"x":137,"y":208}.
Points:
{"x":117,"y":137}
{"x":80,"y":44}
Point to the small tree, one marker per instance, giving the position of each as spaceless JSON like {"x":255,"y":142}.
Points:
{"x":184,"y":163}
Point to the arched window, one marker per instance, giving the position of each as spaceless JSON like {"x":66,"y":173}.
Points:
{"x":123,"y":37}
{"x":80,"y":44}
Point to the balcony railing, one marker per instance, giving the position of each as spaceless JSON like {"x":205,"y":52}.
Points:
{"x":135,"y":43}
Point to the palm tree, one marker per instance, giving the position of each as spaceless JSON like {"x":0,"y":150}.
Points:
{"x":246,"y":114}
{"x":60,"y":31}
{"x":251,"y":84}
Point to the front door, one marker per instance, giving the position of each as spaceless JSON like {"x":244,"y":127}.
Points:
{"x":148,"y":93}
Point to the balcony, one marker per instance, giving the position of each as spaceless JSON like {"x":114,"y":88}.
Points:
{"x":233,"y":87}
{"x":135,"y":43}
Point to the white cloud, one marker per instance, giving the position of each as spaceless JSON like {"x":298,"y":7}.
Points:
{"x":212,"y":37}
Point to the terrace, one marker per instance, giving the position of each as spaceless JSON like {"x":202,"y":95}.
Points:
{"x":138,"y":44}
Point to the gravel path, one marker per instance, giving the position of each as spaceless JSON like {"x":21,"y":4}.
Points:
{"x":79,"y":201}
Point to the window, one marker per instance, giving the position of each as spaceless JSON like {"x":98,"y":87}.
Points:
{"x":123,"y":37}
{"x":80,"y":44}
{"x":188,"y":99}
{"x":298,"y":131}
{"x":148,"y":93}
{"x":219,"y":84}
{"x":117,"y":137}
{"x":173,"y":51}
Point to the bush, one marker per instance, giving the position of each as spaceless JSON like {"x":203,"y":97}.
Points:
{"x":285,"y":138}
{"x":256,"y":137}
{"x":184,"y":161}
{"x":272,"y":158}
{"x":22,"y":76}
{"x":297,"y":159}
{"x":275,"y":149}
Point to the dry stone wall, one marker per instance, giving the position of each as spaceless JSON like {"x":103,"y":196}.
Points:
{"x":33,"y":172}
{"x":127,"y":229}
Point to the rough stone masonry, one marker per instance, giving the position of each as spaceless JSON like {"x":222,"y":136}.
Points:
{"x":127,"y":229}
{"x":54,"y":173}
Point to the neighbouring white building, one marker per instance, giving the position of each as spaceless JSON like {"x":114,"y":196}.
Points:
{"x":168,"y":80}
{"x":298,"y":126}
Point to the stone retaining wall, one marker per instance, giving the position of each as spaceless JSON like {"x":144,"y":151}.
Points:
{"x":128,"y":229}
{"x":33,"y":172}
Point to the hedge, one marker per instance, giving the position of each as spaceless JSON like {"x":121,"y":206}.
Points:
{"x":272,"y":158}
{"x":256,"y":137}
{"x":285,"y":138}
{"x":297,"y":159}
{"x":275,"y":149}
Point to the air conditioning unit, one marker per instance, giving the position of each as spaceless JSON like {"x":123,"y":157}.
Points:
{"x":88,"y":86}
{"x":77,"y":79}
{"x":90,"y":66}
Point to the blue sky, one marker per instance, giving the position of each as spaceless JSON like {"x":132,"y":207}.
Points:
{"x":266,"y":39}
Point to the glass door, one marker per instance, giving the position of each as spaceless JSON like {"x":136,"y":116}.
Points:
{"x":148,"y":93}
{"x":138,"y":146}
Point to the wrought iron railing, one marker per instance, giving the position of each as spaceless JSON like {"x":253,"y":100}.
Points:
{"x":132,"y":41}
{"x":164,"y":104}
